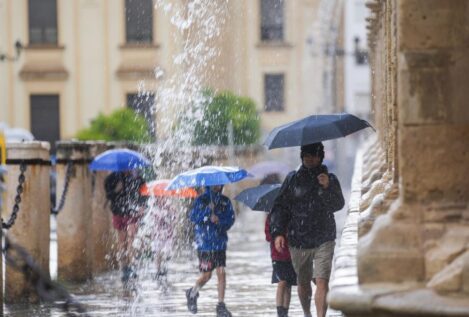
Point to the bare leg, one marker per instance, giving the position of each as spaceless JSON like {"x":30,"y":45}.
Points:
{"x":221,"y":275}
{"x":305,"y":293}
{"x":281,"y":287}
{"x":122,"y":247}
{"x":203,"y":279}
{"x":130,"y":250}
{"x":286,"y":296}
{"x":158,"y":262}
{"x":322,"y":287}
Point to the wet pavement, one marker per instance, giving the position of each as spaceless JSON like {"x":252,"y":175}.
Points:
{"x":249,"y":291}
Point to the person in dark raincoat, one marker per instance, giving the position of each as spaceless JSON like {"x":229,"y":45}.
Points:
{"x":127,"y":206}
{"x":213,"y":216}
{"x":304,"y":209}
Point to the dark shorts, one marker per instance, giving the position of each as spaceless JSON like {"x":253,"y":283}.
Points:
{"x":283,"y":271}
{"x":122,"y":222}
{"x":210,"y":260}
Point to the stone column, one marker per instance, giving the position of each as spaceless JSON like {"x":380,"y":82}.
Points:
{"x":31,"y":229}
{"x":432,"y":148}
{"x":1,"y":277}
{"x":103,"y":238}
{"x":413,"y":257}
{"x":74,"y":221}
{"x":434,"y":134}
{"x":2,"y":205}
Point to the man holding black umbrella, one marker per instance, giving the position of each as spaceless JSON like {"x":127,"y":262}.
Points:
{"x":305,"y":210}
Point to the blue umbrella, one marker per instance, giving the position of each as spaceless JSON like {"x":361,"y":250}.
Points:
{"x":260,"y":198}
{"x":313,"y":129}
{"x":208,"y":176}
{"x":119,"y":160}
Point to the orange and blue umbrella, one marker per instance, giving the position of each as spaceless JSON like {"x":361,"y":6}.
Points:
{"x":158,"y":188}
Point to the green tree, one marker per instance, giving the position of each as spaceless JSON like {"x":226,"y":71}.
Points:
{"x":121,"y":125}
{"x":218,"y":111}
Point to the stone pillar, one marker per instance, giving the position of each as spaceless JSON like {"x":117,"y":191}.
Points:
{"x":432,"y":147}
{"x":434,"y":134}
{"x":2,"y":189}
{"x":1,"y":277}
{"x":31,"y":229}
{"x":74,"y":221}
{"x":103,"y":238}
{"x":413,"y":249}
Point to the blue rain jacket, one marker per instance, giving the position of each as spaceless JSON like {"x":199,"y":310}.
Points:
{"x":208,"y":235}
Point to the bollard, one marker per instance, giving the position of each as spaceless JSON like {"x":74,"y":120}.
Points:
{"x":104,"y":238}
{"x":74,"y":221}
{"x":2,"y":189}
{"x":31,"y":230}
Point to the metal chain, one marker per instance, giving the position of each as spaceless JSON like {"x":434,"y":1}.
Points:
{"x":49,"y":291}
{"x":19,"y":191}
{"x":68,"y":176}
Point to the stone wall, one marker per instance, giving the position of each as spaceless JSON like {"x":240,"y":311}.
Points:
{"x":413,"y":214}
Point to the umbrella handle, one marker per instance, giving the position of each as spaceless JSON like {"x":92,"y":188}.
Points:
{"x":211,"y":206}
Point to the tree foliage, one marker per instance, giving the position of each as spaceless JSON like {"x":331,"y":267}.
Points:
{"x":218,"y":111}
{"x":121,"y":125}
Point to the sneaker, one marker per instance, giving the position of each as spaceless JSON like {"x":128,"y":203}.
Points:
{"x":191,"y":301}
{"x":127,"y":274}
{"x":282,"y":311}
{"x":222,"y":311}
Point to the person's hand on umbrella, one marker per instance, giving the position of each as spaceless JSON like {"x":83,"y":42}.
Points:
{"x":323,"y":180}
{"x":211,"y":205}
{"x":214,"y":219}
{"x":280,"y":243}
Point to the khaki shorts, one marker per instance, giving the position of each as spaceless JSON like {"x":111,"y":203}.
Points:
{"x":313,"y":263}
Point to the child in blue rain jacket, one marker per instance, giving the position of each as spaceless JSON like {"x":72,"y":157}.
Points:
{"x":213,"y":216}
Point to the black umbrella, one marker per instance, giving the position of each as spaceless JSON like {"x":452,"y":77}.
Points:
{"x":260,"y":197}
{"x":313,"y":129}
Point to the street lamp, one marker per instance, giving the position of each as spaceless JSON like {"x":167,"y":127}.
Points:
{"x":361,"y":55}
{"x":18,"y":48}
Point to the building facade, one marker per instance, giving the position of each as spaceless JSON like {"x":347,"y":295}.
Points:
{"x":85,"y":57}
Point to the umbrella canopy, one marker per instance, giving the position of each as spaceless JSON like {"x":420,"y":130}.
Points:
{"x":260,"y":197}
{"x":208,"y":176}
{"x":158,"y":188}
{"x":265,"y":168}
{"x":119,"y":160}
{"x":313,"y":129}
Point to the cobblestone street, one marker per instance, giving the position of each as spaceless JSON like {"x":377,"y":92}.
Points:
{"x":249,"y":291}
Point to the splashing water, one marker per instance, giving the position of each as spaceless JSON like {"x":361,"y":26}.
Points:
{"x":179,"y":100}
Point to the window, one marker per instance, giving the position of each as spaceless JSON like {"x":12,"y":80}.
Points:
{"x":272,"y":20}
{"x":42,"y":15}
{"x":274,"y":92}
{"x":45,"y":118}
{"x":142,"y":104}
{"x":139,"y":21}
